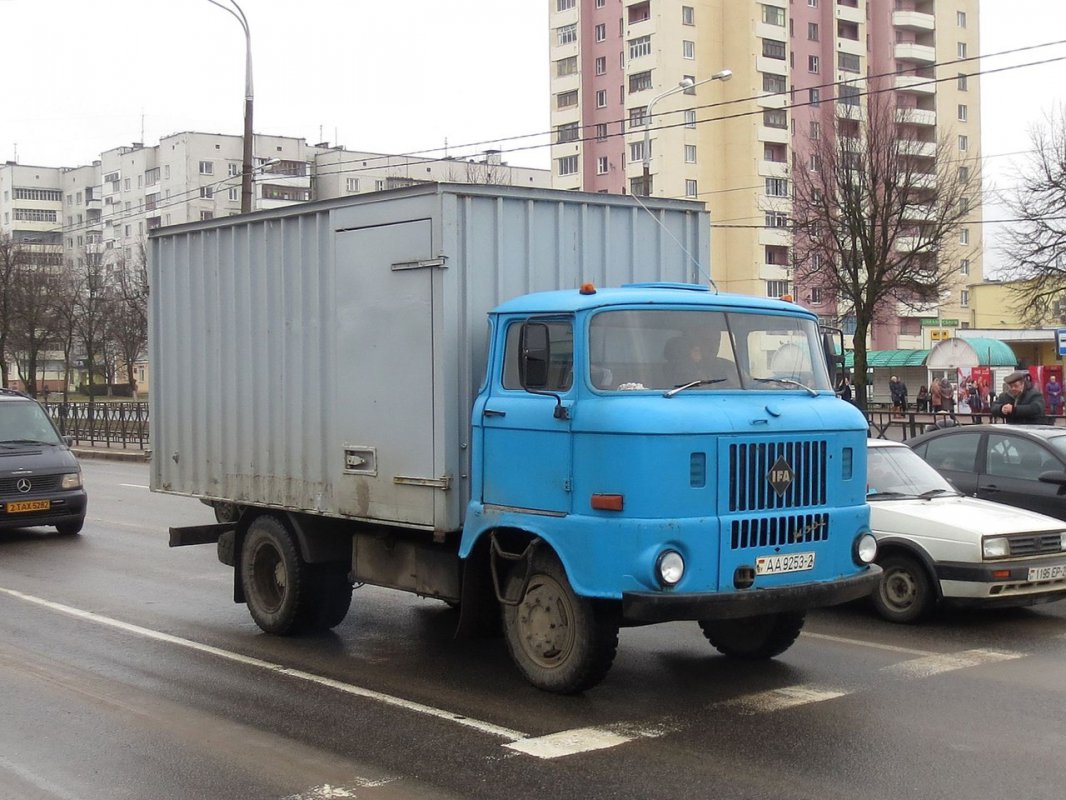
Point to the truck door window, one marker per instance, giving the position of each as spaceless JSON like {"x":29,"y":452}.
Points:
{"x":561,"y":366}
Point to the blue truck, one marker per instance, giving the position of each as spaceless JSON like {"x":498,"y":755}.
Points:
{"x":631,"y":449}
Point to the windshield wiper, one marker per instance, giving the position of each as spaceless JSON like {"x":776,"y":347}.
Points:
{"x":931,"y":493}
{"x":691,"y":384}
{"x":788,"y":382}
{"x":24,"y":441}
{"x":887,"y":494}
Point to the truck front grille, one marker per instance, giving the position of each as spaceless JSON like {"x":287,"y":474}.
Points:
{"x":750,"y":465}
{"x":775,"y":531}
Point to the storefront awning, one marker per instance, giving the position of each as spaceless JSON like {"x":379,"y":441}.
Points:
{"x":889,"y":358}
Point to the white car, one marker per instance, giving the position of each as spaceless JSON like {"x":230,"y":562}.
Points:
{"x":934,"y":543}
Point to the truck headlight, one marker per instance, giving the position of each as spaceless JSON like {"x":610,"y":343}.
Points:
{"x":864,"y":550}
{"x":71,"y":480}
{"x":995,"y":547}
{"x":670,"y":568}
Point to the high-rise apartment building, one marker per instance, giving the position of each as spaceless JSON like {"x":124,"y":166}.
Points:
{"x":734,"y":144}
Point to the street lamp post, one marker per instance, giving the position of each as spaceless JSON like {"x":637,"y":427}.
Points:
{"x":246,"y":167}
{"x":683,"y":85}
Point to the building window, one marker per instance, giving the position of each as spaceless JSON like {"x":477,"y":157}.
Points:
{"x":776,"y":187}
{"x":961,"y":50}
{"x":812,"y":31}
{"x":964,"y":236}
{"x":964,"y":174}
{"x":234,"y":194}
{"x":636,"y":185}
{"x":771,"y":48}
{"x":688,"y":50}
{"x":352,"y":185}
{"x":812,"y":64}
{"x":817,"y":295}
{"x":964,"y":205}
{"x":601,"y":65}
{"x":776,"y":219}
{"x":636,"y":117}
{"x":690,"y":154}
{"x":775,"y":84}
{"x":207,"y":192}
{"x":600,"y":32}
{"x":812,"y":3}
{"x":207,"y":168}
{"x":815,"y":131}
{"x":964,"y":266}
{"x":690,"y":188}
{"x":776,"y":288}
{"x":601,"y":98}
{"x":567,"y":34}
{"x":51,"y":195}
{"x":566,"y":99}
{"x":636,"y":151}
{"x":564,"y":5}
{"x":570,"y":132}
{"x":36,"y":215}
{"x":691,"y":84}
{"x":772,"y":15}
{"x":640,"y":82}
{"x":568,"y":165}
{"x":206,"y":215}
{"x":814,"y":163}
{"x":964,"y":298}
{"x":849,"y":95}
{"x":963,"y":113}
{"x":601,"y":131}
{"x":849,"y":62}
{"x":963,"y":87}
{"x":960,"y":19}
{"x":814,"y":96}
{"x":601,"y":3}
{"x":566,"y":66}
{"x":601,"y":165}
{"x":690,"y":118}
{"x":775,"y":118}
{"x":964,"y":143}
{"x":688,"y":15}
{"x":641,"y":46}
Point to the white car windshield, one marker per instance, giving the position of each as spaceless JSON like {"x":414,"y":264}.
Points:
{"x":895,"y":473}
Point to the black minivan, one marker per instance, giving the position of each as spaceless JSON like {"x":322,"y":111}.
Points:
{"x":40,"y":480}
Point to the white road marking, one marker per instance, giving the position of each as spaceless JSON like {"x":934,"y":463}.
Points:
{"x":347,"y":688}
{"x":947,"y":662}
{"x":133,"y":485}
{"x":328,"y":792}
{"x":864,"y":643}
{"x":780,"y":699}
{"x":37,"y":781}
{"x":565,"y":743}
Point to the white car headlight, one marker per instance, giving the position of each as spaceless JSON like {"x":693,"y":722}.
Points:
{"x":995,"y":547}
{"x":71,"y":480}
{"x":1062,"y":541}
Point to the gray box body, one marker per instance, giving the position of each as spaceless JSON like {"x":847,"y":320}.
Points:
{"x":324,"y":357}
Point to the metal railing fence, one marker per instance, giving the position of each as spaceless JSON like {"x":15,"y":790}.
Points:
{"x":119,"y":425}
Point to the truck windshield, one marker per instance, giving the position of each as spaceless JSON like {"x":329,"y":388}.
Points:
{"x":663,"y":349}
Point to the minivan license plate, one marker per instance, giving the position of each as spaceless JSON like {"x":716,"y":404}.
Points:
{"x":28,"y":505}
{"x":1055,"y":572}
{"x":789,"y":562}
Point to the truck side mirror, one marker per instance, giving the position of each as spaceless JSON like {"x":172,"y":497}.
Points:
{"x":534,"y":347}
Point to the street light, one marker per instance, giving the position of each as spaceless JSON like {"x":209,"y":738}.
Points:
{"x":683,"y":85}
{"x":246,"y":167}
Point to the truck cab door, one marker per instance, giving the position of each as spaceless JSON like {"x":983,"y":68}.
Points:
{"x":525,"y":421}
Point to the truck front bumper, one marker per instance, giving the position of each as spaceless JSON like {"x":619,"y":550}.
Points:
{"x":666,"y":606}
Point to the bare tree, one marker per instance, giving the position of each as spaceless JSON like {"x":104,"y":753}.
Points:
{"x":876,"y":215}
{"x":129,"y":325}
{"x":11,"y":258}
{"x":33,"y":306}
{"x":1035,"y":245}
{"x":92,"y":307}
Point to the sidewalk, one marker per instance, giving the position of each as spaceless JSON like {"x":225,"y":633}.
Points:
{"x":110,"y":453}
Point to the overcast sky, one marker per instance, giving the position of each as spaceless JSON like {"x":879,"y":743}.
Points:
{"x":397,"y":77}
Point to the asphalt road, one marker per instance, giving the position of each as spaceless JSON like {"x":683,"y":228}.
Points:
{"x":127,"y":672}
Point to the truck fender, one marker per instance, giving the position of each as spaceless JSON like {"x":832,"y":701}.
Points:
{"x":492,"y":555}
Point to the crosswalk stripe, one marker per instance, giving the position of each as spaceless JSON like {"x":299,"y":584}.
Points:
{"x":934,"y":665}
{"x":781,"y":698}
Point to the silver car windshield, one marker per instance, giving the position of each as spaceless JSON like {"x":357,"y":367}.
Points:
{"x":898,"y":472}
{"x":663,"y":349}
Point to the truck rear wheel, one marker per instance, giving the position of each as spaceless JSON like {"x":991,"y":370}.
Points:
{"x":274,"y":578}
{"x":332,"y":596}
{"x":560,"y":642}
{"x":753,"y":638}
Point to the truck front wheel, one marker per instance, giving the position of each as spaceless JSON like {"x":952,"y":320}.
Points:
{"x":560,"y":642}
{"x":274,"y":578}
{"x":753,"y":638}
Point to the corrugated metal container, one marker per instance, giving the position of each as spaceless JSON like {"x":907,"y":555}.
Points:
{"x":325,"y":357}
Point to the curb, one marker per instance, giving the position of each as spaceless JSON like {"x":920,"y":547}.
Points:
{"x":139,"y":456}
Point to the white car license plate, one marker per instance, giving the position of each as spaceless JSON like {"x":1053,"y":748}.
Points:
{"x":1054,"y":572}
{"x":790,"y":562}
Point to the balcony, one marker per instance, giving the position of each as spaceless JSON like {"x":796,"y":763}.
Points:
{"x":852,"y":46}
{"x":851,"y":14}
{"x":775,"y":237}
{"x":912,"y":83}
{"x":776,"y":135}
{"x":851,"y":111}
{"x":915,"y":116}
{"x":918,"y":53}
{"x":773,"y":169}
{"x":913,"y":21}
{"x":919,"y":212}
{"x":920,"y":149}
{"x":923,"y":180}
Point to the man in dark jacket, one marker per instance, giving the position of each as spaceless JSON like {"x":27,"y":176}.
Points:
{"x":1021,"y":403}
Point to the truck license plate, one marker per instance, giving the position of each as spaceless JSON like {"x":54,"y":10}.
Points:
{"x":790,"y":562}
{"x":28,"y":505}
{"x":1054,"y":572}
